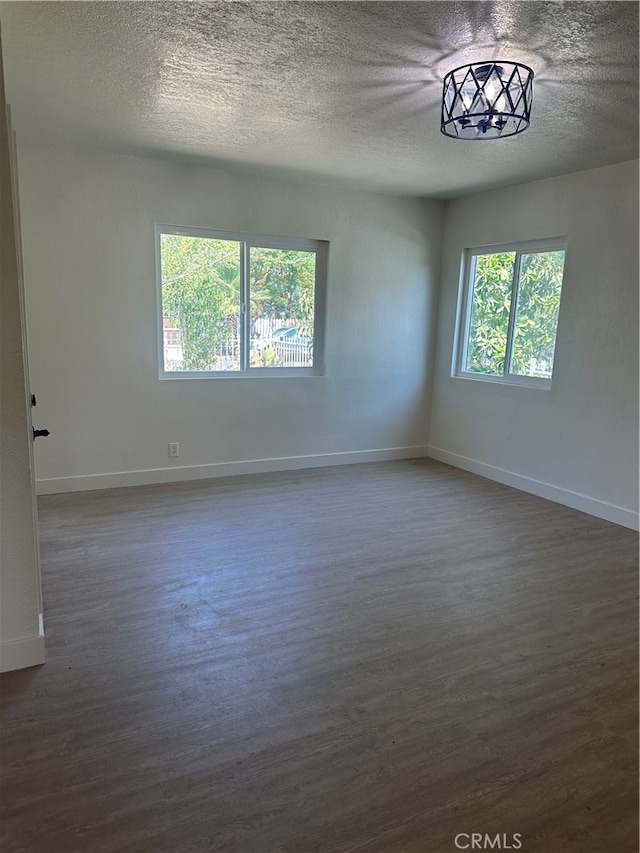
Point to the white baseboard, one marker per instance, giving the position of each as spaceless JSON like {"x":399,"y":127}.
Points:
{"x":21,"y":654}
{"x":88,"y":482}
{"x":575,"y":500}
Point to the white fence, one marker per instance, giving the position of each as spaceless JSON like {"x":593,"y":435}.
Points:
{"x":281,"y":353}
{"x":266,"y":348}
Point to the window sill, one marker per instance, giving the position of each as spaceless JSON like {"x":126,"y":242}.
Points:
{"x":254,"y":373}
{"x":536,"y":382}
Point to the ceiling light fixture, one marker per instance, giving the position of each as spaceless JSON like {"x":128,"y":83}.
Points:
{"x":487,"y":100}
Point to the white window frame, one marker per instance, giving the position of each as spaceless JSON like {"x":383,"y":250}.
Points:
{"x":247,"y":242}
{"x":465,"y":304}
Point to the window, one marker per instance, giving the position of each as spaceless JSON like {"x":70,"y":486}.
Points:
{"x":233,"y":305}
{"x":508,"y":313}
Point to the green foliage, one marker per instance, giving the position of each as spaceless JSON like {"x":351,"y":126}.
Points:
{"x":537,"y":316}
{"x":490,"y":313}
{"x":200,"y":294}
{"x":266,"y":358}
{"x":540,"y":283}
{"x":282,"y":286}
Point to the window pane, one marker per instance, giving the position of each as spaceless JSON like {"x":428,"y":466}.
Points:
{"x":534,"y":340}
{"x":281,"y":293}
{"x":200,"y":303}
{"x":490,"y":306}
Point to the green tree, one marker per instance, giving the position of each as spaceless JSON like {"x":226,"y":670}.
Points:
{"x":536,"y":317}
{"x":489,"y":325}
{"x":282,"y":286}
{"x":537,"y":313}
{"x":200,"y":294}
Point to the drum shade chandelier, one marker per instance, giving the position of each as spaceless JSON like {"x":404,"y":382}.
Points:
{"x":487,"y":100}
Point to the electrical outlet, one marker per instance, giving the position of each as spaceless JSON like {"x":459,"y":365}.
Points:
{"x":174,"y":448}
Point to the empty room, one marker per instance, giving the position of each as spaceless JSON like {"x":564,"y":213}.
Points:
{"x":319,"y":372}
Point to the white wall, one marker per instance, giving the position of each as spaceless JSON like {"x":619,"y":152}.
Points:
{"x":21,"y":641}
{"x":88,"y":220}
{"x":578,"y":442}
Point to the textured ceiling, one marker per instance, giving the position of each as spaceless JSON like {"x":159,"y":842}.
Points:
{"x":346,"y":91}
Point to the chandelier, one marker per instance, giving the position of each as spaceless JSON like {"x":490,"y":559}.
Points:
{"x":487,"y":100}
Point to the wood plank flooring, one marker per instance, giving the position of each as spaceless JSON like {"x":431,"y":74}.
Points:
{"x":361,"y":659}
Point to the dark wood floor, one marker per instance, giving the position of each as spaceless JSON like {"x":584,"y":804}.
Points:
{"x":370,"y":658}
